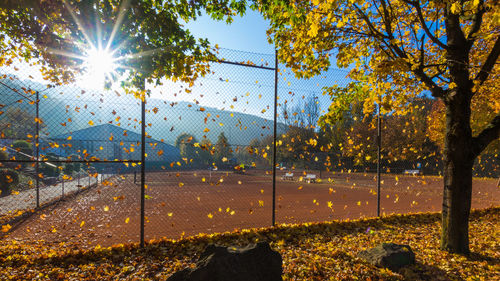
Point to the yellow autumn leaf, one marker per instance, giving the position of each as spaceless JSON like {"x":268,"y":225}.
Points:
{"x":6,"y":227}
{"x":456,"y":8}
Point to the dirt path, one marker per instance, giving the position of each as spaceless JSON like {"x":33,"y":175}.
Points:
{"x":26,"y":200}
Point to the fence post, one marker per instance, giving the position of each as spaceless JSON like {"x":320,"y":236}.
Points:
{"x":143,"y":161}
{"x":274,"y":133}
{"x":37,"y":151}
{"x":379,"y":143}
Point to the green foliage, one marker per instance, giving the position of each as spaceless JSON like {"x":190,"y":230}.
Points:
{"x":68,"y":168}
{"x":223,"y":151}
{"x":8,"y":180}
{"x":24,"y":148}
{"x":3,"y":155}
{"x":205,"y":152}
{"x":157,"y":44}
{"x":186,"y":145}
{"x":17,"y":123}
{"x":50,"y":169}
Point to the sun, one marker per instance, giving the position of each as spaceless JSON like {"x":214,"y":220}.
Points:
{"x":99,"y":66}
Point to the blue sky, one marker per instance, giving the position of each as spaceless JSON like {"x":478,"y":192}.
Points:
{"x":245,"y":33}
{"x":253,"y":88}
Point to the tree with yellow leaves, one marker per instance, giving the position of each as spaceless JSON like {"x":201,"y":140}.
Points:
{"x":145,"y":37}
{"x":401,"y":49}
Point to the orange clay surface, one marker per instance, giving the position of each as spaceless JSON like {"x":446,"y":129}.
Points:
{"x":192,"y":202}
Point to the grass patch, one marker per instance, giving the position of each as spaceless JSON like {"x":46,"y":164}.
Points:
{"x":312,"y":251}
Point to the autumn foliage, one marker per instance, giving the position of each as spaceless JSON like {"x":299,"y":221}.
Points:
{"x":312,"y":251}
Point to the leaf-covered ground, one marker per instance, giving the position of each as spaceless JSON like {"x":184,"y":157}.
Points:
{"x":319,"y":251}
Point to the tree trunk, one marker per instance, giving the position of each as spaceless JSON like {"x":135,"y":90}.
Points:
{"x":458,"y":162}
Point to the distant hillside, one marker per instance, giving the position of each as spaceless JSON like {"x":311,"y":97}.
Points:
{"x":67,"y":109}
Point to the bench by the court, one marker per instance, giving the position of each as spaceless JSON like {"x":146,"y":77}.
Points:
{"x":287,"y":176}
{"x":310,"y":178}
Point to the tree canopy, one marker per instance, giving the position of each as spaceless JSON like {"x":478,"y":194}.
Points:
{"x":399,"y":47}
{"x":223,"y":151}
{"x":146,"y":36}
{"x":399,"y":50}
{"x":185,"y":143}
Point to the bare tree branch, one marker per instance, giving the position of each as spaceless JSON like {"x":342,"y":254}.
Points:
{"x":489,"y":134}
{"x":489,"y":63}
{"x":436,"y":91}
{"x":376,"y":32}
{"x":416,"y":4}
{"x":477,"y":21}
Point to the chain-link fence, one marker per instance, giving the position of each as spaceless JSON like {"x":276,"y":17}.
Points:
{"x":103,"y":167}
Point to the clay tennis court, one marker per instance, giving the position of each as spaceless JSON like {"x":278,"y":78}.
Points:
{"x":191,"y":202}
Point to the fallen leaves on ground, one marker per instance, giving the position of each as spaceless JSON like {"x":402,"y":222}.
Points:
{"x":311,"y":251}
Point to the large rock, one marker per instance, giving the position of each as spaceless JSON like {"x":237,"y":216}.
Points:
{"x":390,"y":255}
{"x":256,"y":262}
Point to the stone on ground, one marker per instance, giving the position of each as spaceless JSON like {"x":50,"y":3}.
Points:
{"x":390,"y":255}
{"x":256,"y":262}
